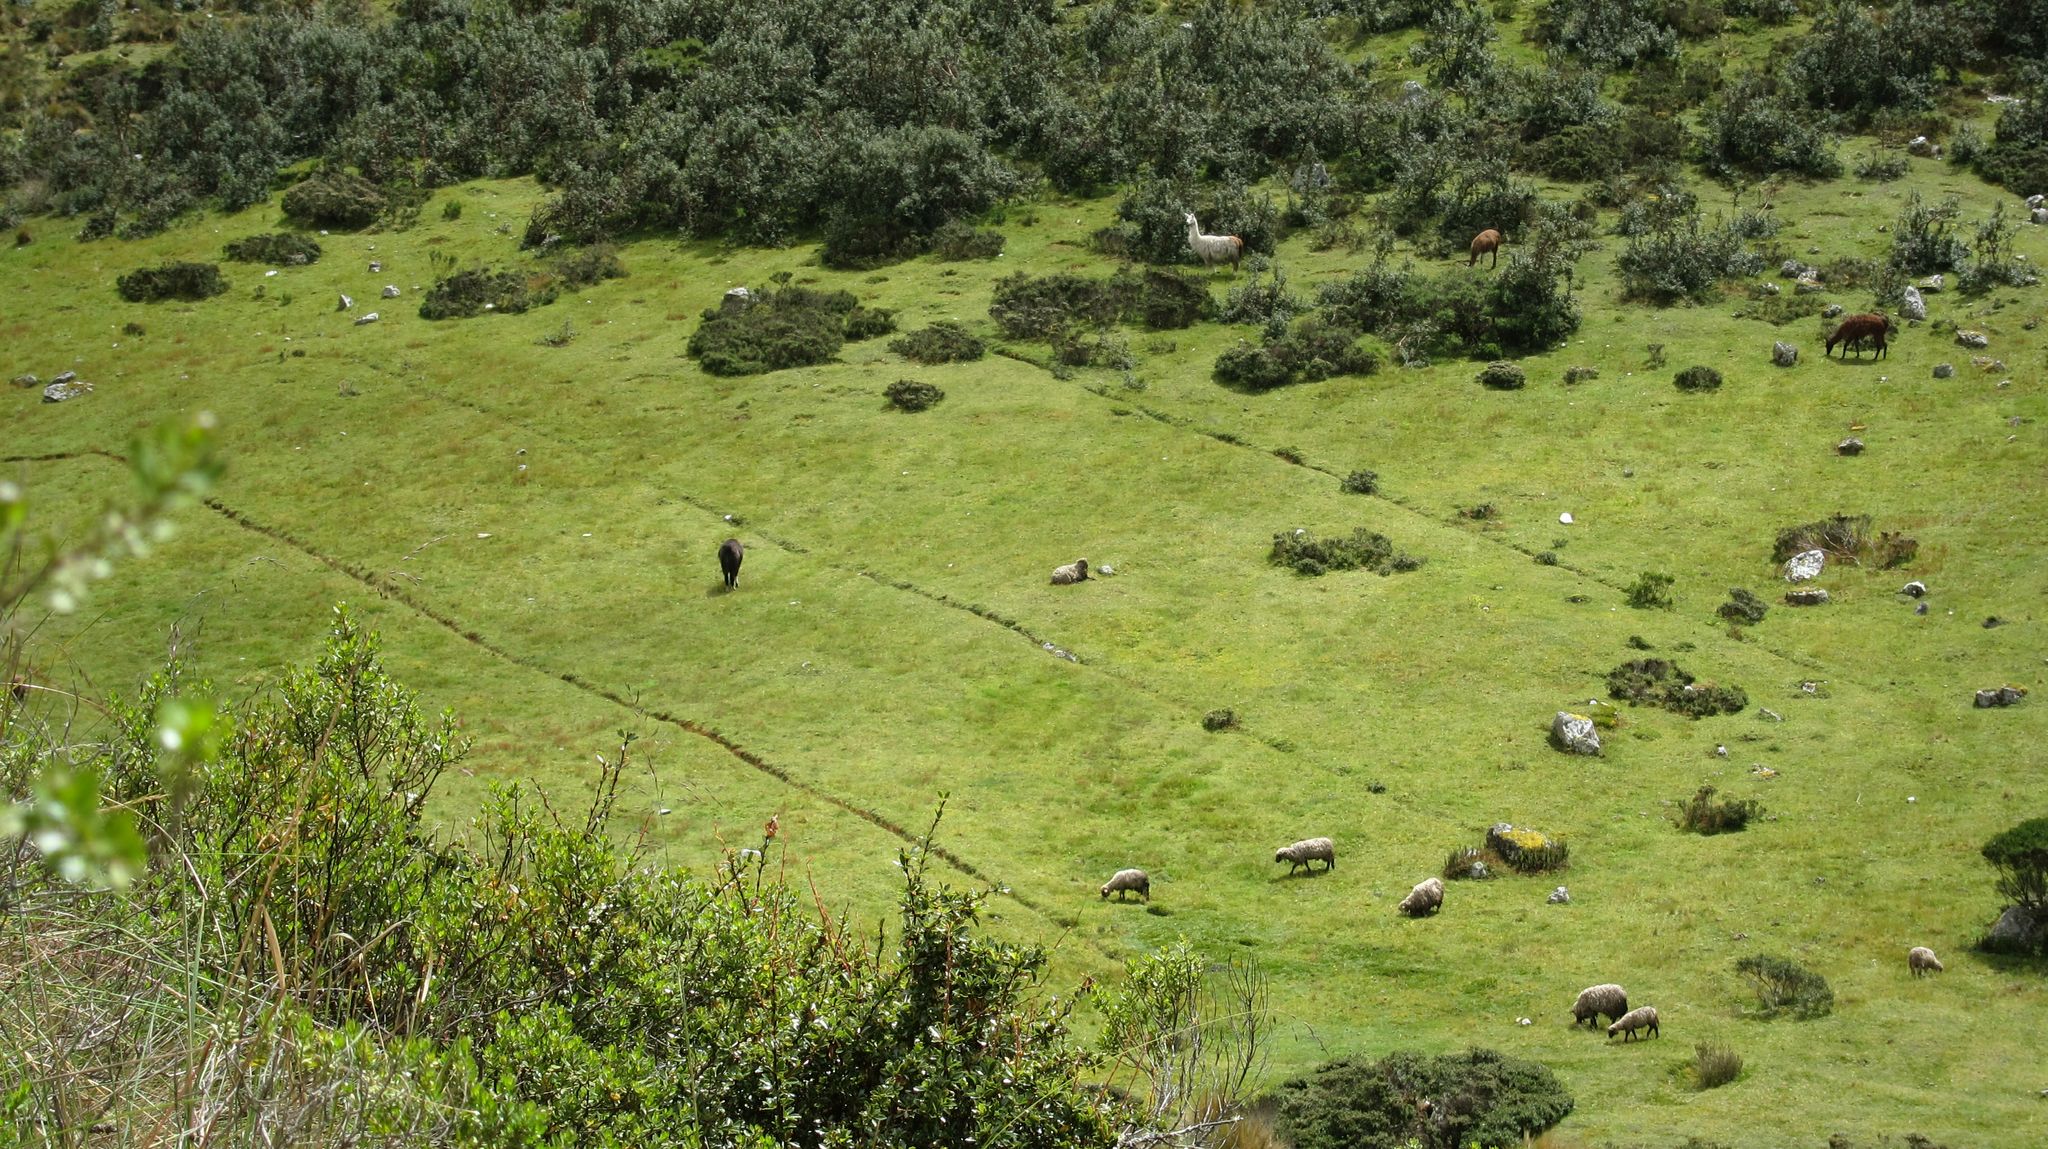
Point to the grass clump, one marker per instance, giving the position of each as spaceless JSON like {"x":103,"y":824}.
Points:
{"x":1714,"y":1065}
{"x":942,"y":342}
{"x":1659,"y":682}
{"x":912,"y":395}
{"x":1846,"y":538}
{"x":1577,"y":375}
{"x":1219,"y":720}
{"x":1697,"y":379}
{"x":188,"y":281}
{"x":471,"y":293}
{"x":335,"y":199}
{"x":1784,"y":987}
{"x":1306,"y":554}
{"x":589,"y":266}
{"x":288,"y":248}
{"x":1652,"y":589}
{"x":1742,"y":608}
{"x":1488,"y":1098}
{"x":792,"y":327}
{"x":1502,"y":375}
{"x":1361,"y":483}
{"x":1705,"y":814}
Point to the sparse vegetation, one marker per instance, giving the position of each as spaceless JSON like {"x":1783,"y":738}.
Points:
{"x":1786,"y":988}
{"x":1714,"y":1065}
{"x":467,"y":294}
{"x":1703,"y":813}
{"x":942,"y":342}
{"x":912,"y":395}
{"x":1651,"y":591}
{"x":1306,"y":554}
{"x":188,"y":281}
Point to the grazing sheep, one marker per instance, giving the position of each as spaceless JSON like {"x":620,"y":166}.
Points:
{"x":1641,"y":1017}
{"x":1070,"y":574}
{"x":1856,"y":328}
{"x":1305,"y":851}
{"x":1214,"y":249}
{"x":1483,"y":243}
{"x":1124,"y":880}
{"x":1595,"y":1000}
{"x":730,"y":552}
{"x":1426,"y":898}
{"x":1920,"y":959}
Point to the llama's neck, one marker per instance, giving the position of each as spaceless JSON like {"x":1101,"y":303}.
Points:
{"x":1194,"y":231}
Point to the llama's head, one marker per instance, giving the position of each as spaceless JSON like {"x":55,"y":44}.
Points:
{"x":1190,"y":217}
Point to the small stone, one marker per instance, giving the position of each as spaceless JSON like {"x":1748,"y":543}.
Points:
{"x":1805,"y":565}
{"x":1808,"y":286}
{"x":1921,"y":146}
{"x":346,"y":303}
{"x":1720,"y":752}
{"x":66,"y":386}
{"x":737,"y":299}
{"x":1807,"y":596}
{"x":1565,"y":518}
{"x":1767,"y":288}
{"x":1849,"y":446}
{"x":1784,"y":354}
{"x":65,"y":377}
{"x":1921,"y":609}
{"x":370,"y":318}
{"x":1944,"y":370}
{"x":1766,"y":714}
{"x":1574,"y":733}
{"x":1831,"y":311}
{"x":1914,"y":589}
{"x":1973,"y":339}
{"x":2037,"y":200}
{"x":1560,"y":897}
{"x":1933,"y":282}
{"x":1793,"y":268}
{"x":376,"y":265}
{"x":2000,"y":696}
{"x":390,"y":292}
{"x":27,"y":381}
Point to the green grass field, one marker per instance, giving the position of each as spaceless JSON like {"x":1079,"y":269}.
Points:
{"x":863,"y":668}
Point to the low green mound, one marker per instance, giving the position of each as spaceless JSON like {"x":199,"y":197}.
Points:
{"x":188,"y":281}
{"x":1446,"y":1101}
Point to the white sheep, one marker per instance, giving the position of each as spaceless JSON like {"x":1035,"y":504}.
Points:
{"x":1214,"y":249}
{"x":1124,"y":880}
{"x":1426,"y":898}
{"x":1595,"y":1000}
{"x":1920,"y":960}
{"x":1301,"y":853}
{"x":1073,"y":572}
{"x":1641,"y":1017}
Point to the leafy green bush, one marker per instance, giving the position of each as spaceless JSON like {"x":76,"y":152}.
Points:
{"x":1786,"y":987}
{"x":1697,"y":379}
{"x":1743,"y":608}
{"x":1108,"y":350}
{"x":942,"y":342}
{"x":1262,"y":300}
{"x":1714,"y":1065}
{"x":1478,"y":1097}
{"x":1863,"y":62}
{"x":1652,"y":589}
{"x":1609,"y":34}
{"x":1361,"y":482}
{"x":1312,"y":350}
{"x":1219,"y":720}
{"x":1924,"y":239}
{"x":286,"y":248}
{"x":470,"y":293}
{"x":1704,"y":814}
{"x":1305,"y":554}
{"x":189,"y":281}
{"x":1755,"y":125}
{"x":1677,"y":255}
{"x":960,"y":240}
{"x":588,"y":267}
{"x":2020,"y":855}
{"x":912,"y":395}
{"x":1657,"y":682}
{"x":1501,"y":375}
{"x":886,"y":191}
{"x":793,"y":327}
{"x":1879,"y":167}
{"x":335,"y":198}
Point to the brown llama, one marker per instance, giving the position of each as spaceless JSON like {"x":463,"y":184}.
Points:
{"x":1483,"y":243}
{"x":1856,"y":328}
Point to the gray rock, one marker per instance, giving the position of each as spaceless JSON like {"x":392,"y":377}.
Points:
{"x":376,"y":265}
{"x":2039,"y":215}
{"x":1922,"y":146}
{"x":1560,"y":897}
{"x":1973,"y":339}
{"x":65,"y":389}
{"x":1766,"y":714}
{"x":1784,"y":354}
{"x":1914,"y":589}
{"x":26,"y":381}
{"x":1849,"y":446}
{"x":1831,"y":311}
{"x":1944,"y":370}
{"x":1807,"y":596}
{"x":65,"y":377}
{"x":1767,"y":288}
{"x":2018,"y":930}
{"x":738,"y":299}
{"x":1794,"y":269}
{"x":1807,"y":285}
{"x":370,"y":318}
{"x":1921,"y":609}
{"x":390,"y":292}
{"x":346,"y":304}
{"x":1934,"y":282}
{"x":1805,"y":565}
{"x":2000,"y":696}
{"x":1574,"y":733}
{"x":2037,"y":200}
{"x":1913,"y":306}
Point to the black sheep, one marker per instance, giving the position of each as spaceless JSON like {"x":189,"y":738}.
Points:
{"x":730,"y":552}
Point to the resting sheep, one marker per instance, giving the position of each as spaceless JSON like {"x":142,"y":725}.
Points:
{"x":730,"y":552}
{"x":1595,"y":1000}
{"x":1214,"y":249}
{"x":1857,"y":328}
{"x":1483,"y":243}
{"x":1124,"y":880}
{"x":1305,"y":851}
{"x":1070,"y":574}
{"x":1641,"y":1017}
{"x":1426,"y":898}
{"x":1920,"y":960}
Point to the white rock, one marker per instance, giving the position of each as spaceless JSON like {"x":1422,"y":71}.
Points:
{"x":390,"y":292}
{"x":1933,"y":282}
{"x":347,"y":304}
{"x":1973,"y":339}
{"x":268,"y":274}
{"x":1565,"y":518}
{"x":370,"y":318}
{"x":1805,"y":565}
{"x":1913,"y":306}
{"x":1574,"y":733}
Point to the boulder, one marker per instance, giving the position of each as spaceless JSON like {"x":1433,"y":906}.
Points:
{"x":1784,"y":354}
{"x":1807,"y":285}
{"x":27,"y":381}
{"x":1973,"y":339}
{"x":2000,"y":696}
{"x":2037,"y":200}
{"x":737,"y":299}
{"x":1574,"y":733}
{"x":2018,"y":930}
{"x":1933,"y":282}
{"x":1914,"y":589}
{"x":1921,"y":146}
{"x":66,"y":389}
{"x":1794,"y":269}
{"x":2039,"y":215}
{"x":1944,"y":370}
{"x":1806,"y":596}
{"x":1849,"y":446}
{"x":1831,"y":311}
{"x":1511,"y":845}
{"x":1767,"y":288}
{"x":1560,"y":897}
{"x":1805,"y":565}
{"x":1913,"y":306}
{"x":65,"y":377}
{"x":390,"y":292}
{"x":370,"y":318}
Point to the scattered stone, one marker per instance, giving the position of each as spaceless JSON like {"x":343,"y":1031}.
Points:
{"x":1944,"y":370}
{"x":390,"y":292}
{"x":64,"y":389}
{"x":1831,"y":311}
{"x":2001,"y":696}
{"x":737,"y":299}
{"x":1849,"y":446}
{"x":1807,"y":596}
{"x":1784,"y":354}
{"x":1720,"y":751}
{"x":1914,"y":589}
{"x":1921,"y":609}
{"x":1913,"y":306}
{"x":1766,"y":714}
{"x":370,"y":318}
{"x":346,"y":303}
{"x":26,"y":381}
{"x":1767,"y":288}
{"x":1921,"y":146}
{"x":1574,"y":733}
{"x":1805,"y":565}
{"x":1933,"y":282}
{"x":1973,"y":339}
{"x":1807,"y":285}
{"x":376,"y":265}
{"x":65,"y":377}
{"x":1560,"y":897}
{"x":2039,"y":215}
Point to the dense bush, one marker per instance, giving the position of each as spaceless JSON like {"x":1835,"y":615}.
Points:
{"x":1262,"y":300}
{"x":912,"y":395}
{"x":1311,"y":350}
{"x":793,"y":327}
{"x":1674,"y":255}
{"x":189,"y":281}
{"x":1152,"y":220}
{"x":1756,"y":126}
{"x":959,"y":240}
{"x":588,"y":267}
{"x":1305,"y":554}
{"x":1743,"y":608}
{"x":1657,"y":682}
{"x":1478,"y":1097}
{"x":1863,"y":61}
{"x":2020,"y":855}
{"x":1651,"y":590}
{"x":1361,"y":483}
{"x":285,"y":248}
{"x":470,"y":293}
{"x":943,"y":342}
{"x":1219,"y":720}
{"x":869,"y":323}
{"x":1609,"y":33}
{"x":1705,"y":814}
{"x":335,"y":199}
{"x":1501,"y":375}
{"x":1041,"y":307}
{"x":1786,"y":987}
{"x":2017,"y":155}
{"x":1697,"y":378}
{"x":1992,"y":262}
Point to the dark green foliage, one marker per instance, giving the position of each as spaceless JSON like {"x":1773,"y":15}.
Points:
{"x":1262,"y":300}
{"x":1546,"y":558}
{"x":1657,"y":682}
{"x":1108,"y":350}
{"x":1361,"y":483}
{"x":1041,"y":307}
{"x":188,"y":281}
{"x":1501,"y":375}
{"x":1219,"y":720}
{"x":912,"y":395}
{"x":1992,"y":262}
{"x":888,"y":192}
{"x":1312,"y":350}
{"x":335,"y":199}
{"x":1715,"y":1065}
{"x":1651,"y":590}
{"x":1152,"y":220}
{"x":2018,"y":153}
{"x":588,"y":267}
{"x":1609,"y":34}
{"x":1673,"y":253}
{"x":1924,"y":239}
{"x":470,"y":293}
{"x":1862,"y":61}
{"x":1697,"y":379}
{"x":1786,"y":987}
{"x":2020,"y":855}
{"x":793,"y":327}
{"x":1305,"y":554}
{"x":959,"y":240}
{"x":1757,"y":126}
{"x":1478,"y":1097}
{"x":284,"y":248}
{"x":942,"y":342}
{"x":1705,"y":814}
{"x":1743,"y":608}
{"x":868,"y":323}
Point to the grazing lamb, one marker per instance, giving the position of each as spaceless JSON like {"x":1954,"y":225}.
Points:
{"x":1920,"y":960}
{"x":1070,"y":574}
{"x":1426,"y":898}
{"x":1856,"y":328}
{"x":1641,"y":1017}
{"x":1214,"y":249}
{"x":1485,"y":242}
{"x":1124,"y":880}
{"x":730,"y":552}
{"x":1595,"y":1000}
{"x":1305,"y":851}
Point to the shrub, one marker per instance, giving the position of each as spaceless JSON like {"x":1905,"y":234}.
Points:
{"x":1479,"y":1097}
{"x":1305,"y":554}
{"x":1609,"y":34}
{"x":1924,"y":239}
{"x":1576,"y":375}
{"x":1697,"y":379}
{"x":1468,"y":862}
{"x":452,"y":210}
{"x":2020,"y":855}
{"x":1361,"y":483}
{"x":1651,"y":589}
{"x":959,"y":240}
{"x":793,"y":327}
{"x":1261,"y":301}
{"x":1785,"y":987}
{"x":470,"y":293}
{"x":1840,"y":536}
{"x":1742,"y":607}
{"x":1755,"y":125}
{"x":1501,"y":375}
{"x":868,"y":323}
{"x":1110,"y":350}
{"x":1546,"y":558}
{"x":942,"y":342}
{"x":911,"y":395}
{"x":335,"y":199}
{"x":1313,"y":350}
{"x":1880,"y":167}
{"x":1219,"y":720}
{"x":1714,"y":1065}
{"x":1992,"y":262}
{"x":1657,"y":682}
{"x":188,"y":281}
{"x":1042,"y":307}
{"x":287,"y":248}
{"x":1668,"y":258}
{"x":588,"y":266}
{"x":1705,"y":814}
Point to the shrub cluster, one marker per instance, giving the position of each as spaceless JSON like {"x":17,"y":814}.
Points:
{"x":1651,"y":591}
{"x":1501,"y":375}
{"x":1743,"y":608}
{"x":1478,"y":1097}
{"x":189,"y":281}
{"x":1042,"y":307}
{"x":912,"y":395}
{"x":791,"y":327}
{"x":1361,"y":483}
{"x":1846,"y":538}
{"x":588,"y":267}
{"x":1219,"y":719}
{"x":1697,"y":379}
{"x":1658,"y":682}
{"x":1786,"y":987}
{"x":471,"y":293}
{"x":284,"y":248}
{"x":335,"y":199}
{"x":1705,"y":814}
{"x":1306,"y":554}
{"x":1311,"y":350}
{"x":943,"y":342}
